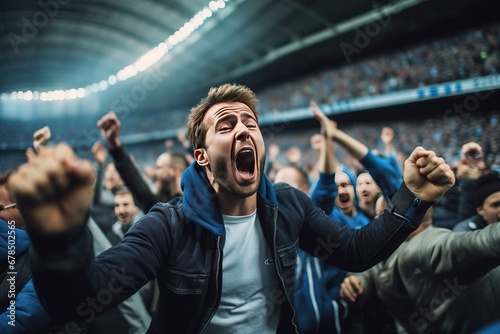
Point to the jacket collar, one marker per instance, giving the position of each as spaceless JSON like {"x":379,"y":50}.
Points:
{"x":199,"y":201}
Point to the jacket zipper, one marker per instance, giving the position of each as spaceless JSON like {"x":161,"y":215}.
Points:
{"x":280,"y":276}
{"x":217,"y":273}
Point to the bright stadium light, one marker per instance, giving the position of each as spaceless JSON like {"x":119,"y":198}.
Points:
{"x":144,"y":62}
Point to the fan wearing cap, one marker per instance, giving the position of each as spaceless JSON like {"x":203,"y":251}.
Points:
{"x":487,"y":203}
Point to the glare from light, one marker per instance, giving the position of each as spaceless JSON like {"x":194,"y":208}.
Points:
{"x":103,"y":85}
{"x":72,"y":94}
{"x":213,"y":6}
{"x":189,"y":26}
{"x":127,"y":72}
{"x":28,"y":96}
{"x":80,"y":93}
{"x":197,"y":20}
{"x":162,"y":48}
{"x":172,"y":40}
{"x":112,"y":79}
{"x":150,"y":58}
{"x":207,"y":12}
{"x":147,"y":60}
{"x":59,"y":95}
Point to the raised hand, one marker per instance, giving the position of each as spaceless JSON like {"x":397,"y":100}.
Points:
{"x":41,"y":137}
{"x":473,"y":157}
{"x":387,"y":135}
{"x":328,"y":127}
{"x":426,"y":175}
{"x":99,"y":152}
{"x":53,"y":190}
{"x":110,"y":128}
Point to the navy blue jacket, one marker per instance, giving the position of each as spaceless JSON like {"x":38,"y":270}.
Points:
{"x":181,"y":243}
{"x":24,"y":314}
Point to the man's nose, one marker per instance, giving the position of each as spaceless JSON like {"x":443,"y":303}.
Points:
{"x":242,"y":132}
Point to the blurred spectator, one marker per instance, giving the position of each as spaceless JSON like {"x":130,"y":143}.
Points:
{"x":487,"y":202}
{"x":437,"y":281}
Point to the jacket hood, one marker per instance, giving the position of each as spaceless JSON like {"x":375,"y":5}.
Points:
{"x":199,"y":201}
{"x":352,"y":178}
{"x":21,"y":238}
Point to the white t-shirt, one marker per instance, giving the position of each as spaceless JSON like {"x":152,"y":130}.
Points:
{"x":249,"y":281}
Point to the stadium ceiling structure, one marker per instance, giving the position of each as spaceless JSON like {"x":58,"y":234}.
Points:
{"x":50,"y":45}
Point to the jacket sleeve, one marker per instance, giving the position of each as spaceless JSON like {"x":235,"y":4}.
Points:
{"x":384,"y":172}
{"x":457,"y":255}
{"x":133,"y":180}
{"x":466,"y":199}
{"x":73,"y":286}
{"x":29,"y":315}
{"x":324,"y":192}
{"x":98,"y":184}
{"x":358,"y":250}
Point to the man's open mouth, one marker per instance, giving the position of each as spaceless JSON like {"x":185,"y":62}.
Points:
{"x":245,"y":163}
{"x":343,"y":198}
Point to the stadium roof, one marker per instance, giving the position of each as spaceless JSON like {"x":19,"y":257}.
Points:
{"x":51,"y":45}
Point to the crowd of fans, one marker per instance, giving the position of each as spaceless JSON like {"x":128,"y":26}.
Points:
{"x":465,"y":55}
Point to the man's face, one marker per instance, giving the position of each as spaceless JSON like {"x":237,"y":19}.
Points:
{"x":345,"y":197}
{"x":234,"y":150}
{"x":490,"y":210}
{"x":10,"y":214}
{"x":125,"y":208}
{"x":366,"y":188}
{"x":164,"y":173}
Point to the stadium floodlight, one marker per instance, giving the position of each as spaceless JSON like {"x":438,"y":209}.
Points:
{"x":147,"y":60}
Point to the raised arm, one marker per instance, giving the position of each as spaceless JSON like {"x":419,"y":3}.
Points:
{"x":41,"y":137}
{"x":110,"y":128}
{"x":386,"y":174}
{"x":426,"y":179}
{"x":325,"y":191}
{"x":53,"y":192}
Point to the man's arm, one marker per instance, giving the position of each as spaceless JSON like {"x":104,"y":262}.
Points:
{"x":426,"y":178}
{"x":462,"y":255}
{"x":382,"y":171}
{"x":110,"y":128}
{"x":325,"y":191}
{"x":53,"y":192}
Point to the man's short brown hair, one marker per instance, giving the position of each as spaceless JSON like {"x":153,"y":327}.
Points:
{"x":224,"y":93}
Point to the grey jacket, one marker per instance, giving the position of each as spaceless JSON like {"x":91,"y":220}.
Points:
{"x":441,"y":281}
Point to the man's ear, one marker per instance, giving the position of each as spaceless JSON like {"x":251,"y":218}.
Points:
{"x":201,"y":157}
{"x":480,"y":210}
